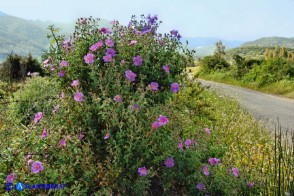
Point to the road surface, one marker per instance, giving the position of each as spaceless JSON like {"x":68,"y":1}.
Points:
{"x":263,"y":107}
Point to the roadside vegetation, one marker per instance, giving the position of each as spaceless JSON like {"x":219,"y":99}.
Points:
{"x":103,"y":121}
{"x":273,"y":73}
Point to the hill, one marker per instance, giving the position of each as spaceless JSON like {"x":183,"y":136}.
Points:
{"x":271,"y":42}
{"x":22,"y":36}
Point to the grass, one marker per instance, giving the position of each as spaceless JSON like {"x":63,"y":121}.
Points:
{"x":262,"y":157}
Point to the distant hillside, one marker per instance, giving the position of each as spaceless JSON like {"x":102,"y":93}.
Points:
{"x":271,"y":42}
{"x":26,"y":36}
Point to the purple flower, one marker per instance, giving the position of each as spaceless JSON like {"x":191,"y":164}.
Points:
{"x":66,"y":43}
{"x":96,"y":46}
{"x":214,"y":161}
{"x":107,"y":136}
{"x":200,"y":186}
{"x":154,"y":86}
{"x":81,"y":135}
{"x":162,"y":120}
{"x":136,"y":107}
{"x":169,"y":162}
{"x":56,"y":108}
{"x":143,"y":171}
{"x":250,"y":184}
{"x":205,"y":170}
{"x":107,"y":58}
{"x":123,"y":61}
{"x":105,"y":30}
{"x":79,"y":97}
{"x":75,"y":83}
{"x":109,"y":42}
{"x":156,"y":125}
{"x":235,"y":171}
{"x":38,"y":117}
{"x":166,"y":68}
{"x":130,"y":75}
{"x":175,"y":33}
{"x":37,"y":167}
{"x":117,"y":98}
{"x":188,"y":142}
{"x":62,"y":143}
{"x":63,"y":64}
{"x":44,"y":133}
{"x":174,"y":87}
{"x":10,"y":178}
{"x":133,"y":42}
{"x":180,"y":145}
{"x":152,"y":20}
{"x":61,"y":73}
{"x":207,"y":131}
{"x":111,"y":52}
{"x":137,"y":60}
{"x":89,"y":58}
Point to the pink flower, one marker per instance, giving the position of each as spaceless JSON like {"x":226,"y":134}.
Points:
{"x":30,"y":162}
{"x":109,"y":42}
{"x":143,"y":171}
{"x":61,"y":73}
{"x":214,"y":161}
{"x":10,"y":178}
{"x":137,"y":60}
{"x":38,"y":117}
{"x":153,"y":86}
{"x":169,"y":163}
{"x":123,"y":61}
{"x":250,"y":184}
{"x":133,"y":42}
{"x":81,"y":136}
{"x":155,"y":125}
{"x":79,"y":97}
{"x":117,"y":98}
{"x":188,"y":142}
{"x":56,"y":108}
{"x":130,"y":75}
{"x":205,"y":170}
{"x":162,"y":120}
{"x":107,"y":136}
{"x":63,"y":63}
{"x":181,"y":146}
{"x":105,"y":30}
{"x":29,"y":156}
{"x":75,"y":83}
{"x":207,"y":131}
{"x":89,"y":58}
{"x":62,"y":142}
{"x":44,"y":133}
{"x":37,"y":167}
{"x":61,"y":95}
{"x":96,"y":46}
{"x":235,"y":171}
{"x":166,"y":68}
{"x":107,"y":58}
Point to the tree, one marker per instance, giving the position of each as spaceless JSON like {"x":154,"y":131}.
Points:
{"x":219,"y":49}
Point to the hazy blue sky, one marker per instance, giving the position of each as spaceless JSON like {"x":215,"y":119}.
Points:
{"x":227,"y":19}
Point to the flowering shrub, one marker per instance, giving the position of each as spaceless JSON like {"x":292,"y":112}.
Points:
{"x":111,"y":129}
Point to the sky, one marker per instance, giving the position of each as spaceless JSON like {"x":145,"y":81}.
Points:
{"x":242,"y":20}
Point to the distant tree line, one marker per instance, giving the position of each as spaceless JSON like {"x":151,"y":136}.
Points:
{"x":15,"y":67}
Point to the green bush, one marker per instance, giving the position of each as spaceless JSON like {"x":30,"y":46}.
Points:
{"x":36,"y":94}
{"x":213,"y":63}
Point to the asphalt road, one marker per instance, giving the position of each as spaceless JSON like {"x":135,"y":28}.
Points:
{"x":263,"y":107}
